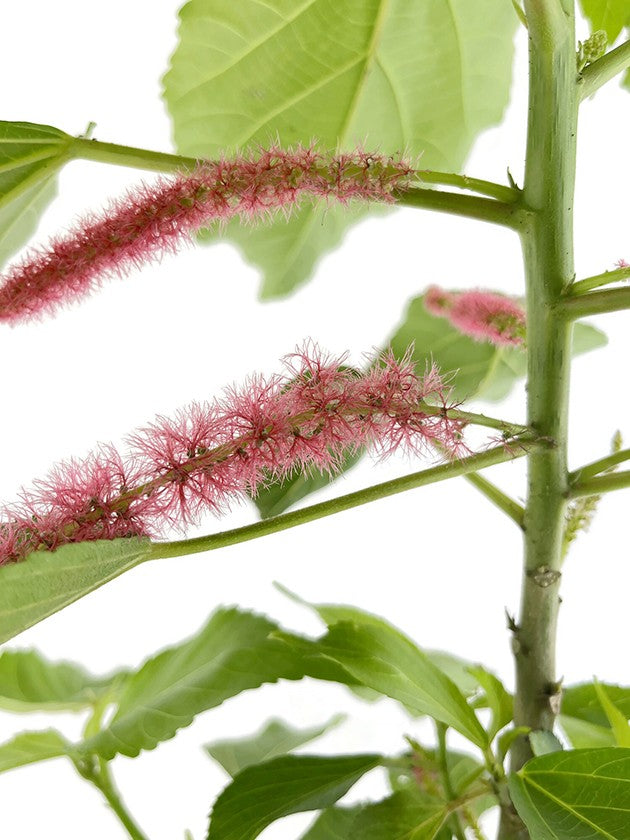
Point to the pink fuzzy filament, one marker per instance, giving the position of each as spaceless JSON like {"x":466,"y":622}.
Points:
{"x":208,"y":454}
{"x":484,"y":316}
{"x":154,"y":219}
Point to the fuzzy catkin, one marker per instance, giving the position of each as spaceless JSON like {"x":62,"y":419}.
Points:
{"x":482,"y":315}
{"x":155,"y":219}
{"x":207,"y":455}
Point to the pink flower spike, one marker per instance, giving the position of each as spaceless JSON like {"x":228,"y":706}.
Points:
{"x":622,"y":264}
{"x":155,"y":219}
{"x":484,"y":316}
{"x":210,"y":454}
{"x":438,"y":301}
{"x":487,"y":316}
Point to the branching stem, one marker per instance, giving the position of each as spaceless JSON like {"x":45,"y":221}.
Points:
{"x":432,"y":475}
{"x":505,"y":212}
{"x":600,"y":484}
{"x":548,"y":256}
{"x":506,"y":503}
{"x":604,"y":69}
{"x":511,"y":215}
{"x":594,"y":303}
{"x":599,"y":466}
{"x":97,"y":772}
{"x":464,"y":182}
{"x":605,"y":279}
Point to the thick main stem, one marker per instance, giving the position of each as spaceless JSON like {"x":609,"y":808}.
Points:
{"x":548,"y":255}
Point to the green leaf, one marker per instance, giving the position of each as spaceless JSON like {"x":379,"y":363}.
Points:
{"x":277,"y":738}
{"x":47,"y":581}
{"x":401,"y":816}
{"x":578,"y":794}
{"x":230,"y":654}
{"x":29,"y":682}
{"x":29,"y":747}
{"x":382,"y":658}
{"x":618,"y":721}
{"x":542,"y":742}
{"x":276,"y":498}
{"x":290,"y":784}
{"x":334,"y":824}
{"x":424,"y":77}
{"x":581,"y":701}
{"x":582,"y":734}
{"x":480,"y":369}
{"x":434,"y":338}
{"x":496,"y":697}
{"x":458,"y":670}
{"x":609,"y":15}
{"x":30,"y":156}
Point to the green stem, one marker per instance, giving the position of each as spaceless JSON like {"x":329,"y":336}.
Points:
{"x":604,"y":69}
{"x":510,"y":215}
{"x":599,"y":466}
{"x":501,"y":212}
{"x":504,"y":426}
{"x":594,"y":303}
{"x":496,"y":455}
{"x":548,"y":256}
{"x":465,"y":182}
{"x":449,"y":790}
{"x":600,"y":484}
{"x":504,"y":502}
{"x":129,"y":156}
{"x":105,"y":783}
{"x":97,"y":772}
{"x":604,"y":279}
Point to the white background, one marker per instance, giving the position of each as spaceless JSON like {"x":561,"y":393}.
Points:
{"x":439,"y":562}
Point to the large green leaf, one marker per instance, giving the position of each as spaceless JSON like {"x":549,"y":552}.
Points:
{"x":230,"y":654}
{"x":456,"y":669}
{"x":470,"y":679}
{"x":609,"y":15}
{"x":29,"y":747}
{"x":423,"y":77}
{"x":579,"y":794}
{"x":29,"y":682}
{"x":287,"y":785}
{"x":47,"y":581}
{"x":276,"y":739}
{"x":383,"y":659}
{"x":30,"y":156}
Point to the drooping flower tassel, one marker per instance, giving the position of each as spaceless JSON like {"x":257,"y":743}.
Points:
{"x":209,"y":454}
{"x":155,"y":219}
